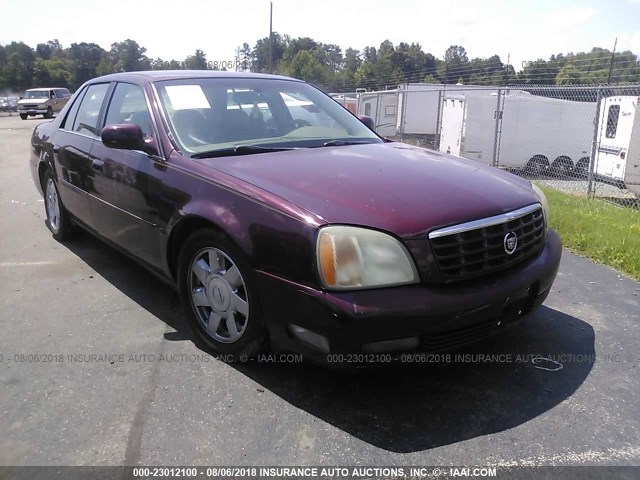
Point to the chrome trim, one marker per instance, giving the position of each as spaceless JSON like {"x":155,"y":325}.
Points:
{"x":140,"y":219}
{"x":485,"y":222}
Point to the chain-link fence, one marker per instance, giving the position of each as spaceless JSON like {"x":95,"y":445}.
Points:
{"x":582,"y":140}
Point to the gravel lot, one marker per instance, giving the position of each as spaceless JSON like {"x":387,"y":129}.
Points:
{"x":167,"y":403}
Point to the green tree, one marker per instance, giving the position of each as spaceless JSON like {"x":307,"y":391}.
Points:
{"x":85,"y":58}
{"x":456,"y":65}
{"x":260,"y":54}
{"x":307,"y":67}
{"x":18,"y":68}
{"x":243,"y":58}
{"x":197,"y":61}
{"x":126,"y":56}
{"x":568,"y":75}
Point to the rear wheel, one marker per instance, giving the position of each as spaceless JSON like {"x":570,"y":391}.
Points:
{"x":58,"y":220}
{"x":216,"y":288}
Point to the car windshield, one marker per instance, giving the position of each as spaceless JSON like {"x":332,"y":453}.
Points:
{"x":37,"y":94}
{"x":218,"y":114}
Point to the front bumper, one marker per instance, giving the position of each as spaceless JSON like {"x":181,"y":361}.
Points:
{"x":434,"y":318}
{"x":33,"y":111}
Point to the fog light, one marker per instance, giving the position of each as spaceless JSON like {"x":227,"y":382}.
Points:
{"x":391,"y":345}
{"x":307,"y":336}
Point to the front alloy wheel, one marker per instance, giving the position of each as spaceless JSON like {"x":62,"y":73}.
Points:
{"x":216,"y":287}
{"x":218,"y":295}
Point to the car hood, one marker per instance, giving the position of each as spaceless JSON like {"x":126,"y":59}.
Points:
{"x":391,"y":186}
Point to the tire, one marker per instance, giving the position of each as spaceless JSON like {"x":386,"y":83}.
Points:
{"x":563,"y":168}
{"x":217,"y":292}
{"x":58,"y":221}
{"x":23,"y":116}
{"x":582,"y":167}
{"x":537,"y":166}
{"x":49,"y":113}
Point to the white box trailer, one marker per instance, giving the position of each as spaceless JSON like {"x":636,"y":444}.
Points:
{"x":536,"y":133}
{"x":618,"y":145}
{"x":382,"y":106}
{"x":412,"y":109}
{"x":419,"y":105}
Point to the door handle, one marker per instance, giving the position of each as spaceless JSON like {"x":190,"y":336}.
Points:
{"x":97,"y":165}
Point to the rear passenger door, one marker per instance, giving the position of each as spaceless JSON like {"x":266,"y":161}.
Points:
{"x":72,"y":146}
{"x":128,"y":183}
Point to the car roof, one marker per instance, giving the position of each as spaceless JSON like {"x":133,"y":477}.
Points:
{"x":45,"y":88}
{"x":159,"y":75}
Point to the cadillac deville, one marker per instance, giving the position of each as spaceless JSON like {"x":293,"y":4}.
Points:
{"x":285,"y":222}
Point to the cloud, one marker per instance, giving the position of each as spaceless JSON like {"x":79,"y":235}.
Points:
{"x":570,"y":17}
{"x":628,"y":41}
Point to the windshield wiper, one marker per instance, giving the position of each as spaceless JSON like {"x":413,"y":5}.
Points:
{"x":239,"y":150}
{"x":339,"y":143}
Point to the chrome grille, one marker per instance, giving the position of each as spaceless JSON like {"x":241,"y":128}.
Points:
{"x":477,"y":248}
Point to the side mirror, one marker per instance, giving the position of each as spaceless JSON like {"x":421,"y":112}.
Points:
{"x":127,"y":136}
{"x":368,"y":121}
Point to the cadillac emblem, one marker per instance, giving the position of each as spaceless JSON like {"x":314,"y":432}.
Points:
{"x":510,"y":242}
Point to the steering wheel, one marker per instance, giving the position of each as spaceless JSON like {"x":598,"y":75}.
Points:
{"x":299,"y":123}
{"x":195,"y":141}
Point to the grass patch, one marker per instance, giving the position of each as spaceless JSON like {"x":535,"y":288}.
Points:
{"x":598,"y":230}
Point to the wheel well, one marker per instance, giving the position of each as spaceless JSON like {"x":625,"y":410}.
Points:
{"x":179,"y":235}
{"x":42,"y":167}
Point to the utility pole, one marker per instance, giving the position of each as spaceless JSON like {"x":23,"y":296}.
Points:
{"x":613,"y":54}
{"x":270,"y":37}
{"x":506,"y":70}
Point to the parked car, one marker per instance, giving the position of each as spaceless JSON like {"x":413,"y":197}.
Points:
{"x":307,"y":238}
{"x":8,"y":104}
{"x":43,"y":101}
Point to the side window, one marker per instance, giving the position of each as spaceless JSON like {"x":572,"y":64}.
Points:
{"x":86,"y":120}
{"x":73,"y":111}
{"x":612,"y":121}
{"x":129,"y":105}
{"x":367,"y":109}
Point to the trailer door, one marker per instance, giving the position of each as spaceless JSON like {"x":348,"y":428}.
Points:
{"x":616,"y":122}
{"x":453,"y":114}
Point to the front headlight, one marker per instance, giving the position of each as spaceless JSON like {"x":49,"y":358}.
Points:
{"x":544,"y":203}
{"x":42,"y":105}
{"x":352,"y":257}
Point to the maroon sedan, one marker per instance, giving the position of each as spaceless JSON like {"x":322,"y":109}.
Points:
{"x":285,"y":222}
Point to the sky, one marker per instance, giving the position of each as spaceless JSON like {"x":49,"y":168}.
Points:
{"x":518,"y":29}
